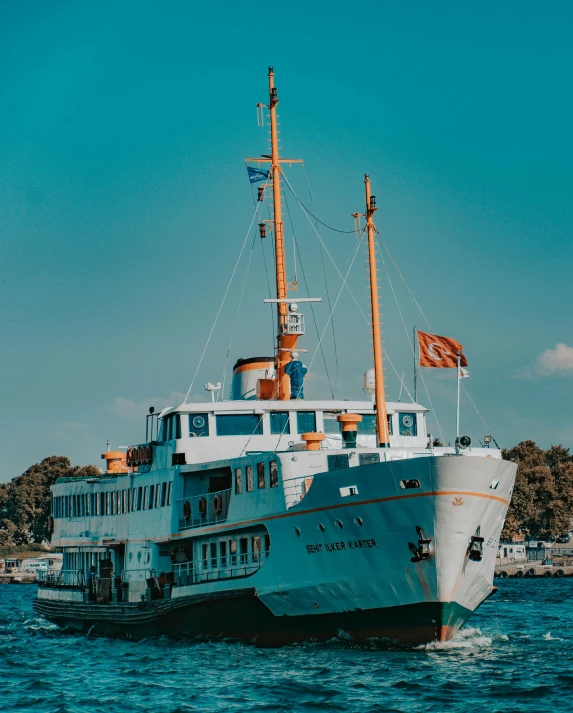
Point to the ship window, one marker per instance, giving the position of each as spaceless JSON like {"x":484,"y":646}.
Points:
{"x":163,"y":494}
{"x":198,"y":425}
{"x":107,"y":504}
{"x":359,"y":521}
{"x":273,"y":467}
{"x":238,"y":481}
{"x":261,"y":475}
{"x":339,"y":524}
{"x":151,"y":496}
{"x":233,"y":552}
{"x":139,"y":494}
{"x":167,"y":422}
{"x":213,"y":555}
{"x":407,"y":423}
{"x":223,"y":553}
{"x":118,"y":508}
{"x":296,"y":531}
{"x":320,"y":526}
{"x":256,"y":549}
{"x":279,"y":422}
{"x":267,"y":545}
{"x":169,"y":488}
{"x":244,"y":424}
{"x":112,"y":502}
{"x":337,"y":462}
{"x":146,"y":497}
{"x":331,"y":424}
{"x":306,"y":421}
{"x":250,"y":481}
{"x":124,"y":501}
{"x":205,"y":549}
{"x":368,"y":458}
{"x":176,"y":426}
{"x":367,"y":427}
{"x":244,"y":545}
{"x":102,"y":503}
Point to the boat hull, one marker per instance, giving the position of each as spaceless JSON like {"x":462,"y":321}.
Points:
{"x":241,"y":615}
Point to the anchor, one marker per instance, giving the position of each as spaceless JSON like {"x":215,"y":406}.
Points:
{"x":475,"y":548}
{"x":424,"y":548}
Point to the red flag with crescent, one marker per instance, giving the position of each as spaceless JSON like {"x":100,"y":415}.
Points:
{"x":440,"y":352}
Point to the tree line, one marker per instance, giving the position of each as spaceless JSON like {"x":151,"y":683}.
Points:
{"x":541,"y":506}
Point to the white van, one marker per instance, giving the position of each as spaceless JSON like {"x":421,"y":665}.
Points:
{"x":33,"y":565}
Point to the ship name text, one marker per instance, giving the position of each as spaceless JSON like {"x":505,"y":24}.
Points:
{"x":340,"y":546}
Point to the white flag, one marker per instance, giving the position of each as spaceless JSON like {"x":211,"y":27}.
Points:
{"x":464,"y":373}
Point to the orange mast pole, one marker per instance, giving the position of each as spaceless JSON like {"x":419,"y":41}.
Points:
{"x":286,"y":342}
{"x":381,"y":412}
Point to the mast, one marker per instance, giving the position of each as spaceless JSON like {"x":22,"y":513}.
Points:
{"x":286,"y":342}
{"x":382,"y":433}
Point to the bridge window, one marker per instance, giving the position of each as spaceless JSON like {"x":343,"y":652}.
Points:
{"x":139,"y":496}
{"x":124,"y":501}
{"x":238,"y":481}
{"x":163,"y":494}
{"x":274,"y":473}
{"x":407,"y":423}
{"x":331,"y":423}
{"x":244,"y":424}
{"x":213,"y":555}
{"x":367,"y":427}
{"x":306,"y":421}
{"x":233,"y":552}
{"x":146,"y":497}
{"x":198,"y":425}
{"x":223,"y":553}
{"x":151,"y":496}
{"x":261,"y":475}
{"x":169,"y":488}
{"x":102,"y":503}
{"x":205,"y":551}
{"x":279,"y":422}
{"x":250,"y":480}
{"x":256,"y":549}
{"x":118,"y":508}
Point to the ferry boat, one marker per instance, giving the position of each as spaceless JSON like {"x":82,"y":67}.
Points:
{"x":274,"y":519}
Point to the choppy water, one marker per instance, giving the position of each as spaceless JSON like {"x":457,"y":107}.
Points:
{"x":517,"y":655}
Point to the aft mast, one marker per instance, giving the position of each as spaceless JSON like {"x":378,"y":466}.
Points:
{"x":382,"y":432}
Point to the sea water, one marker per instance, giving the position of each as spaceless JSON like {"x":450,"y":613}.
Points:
{"x":516,"y":654}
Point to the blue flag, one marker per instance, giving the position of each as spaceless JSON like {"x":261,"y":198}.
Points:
{"x":255,"y":174}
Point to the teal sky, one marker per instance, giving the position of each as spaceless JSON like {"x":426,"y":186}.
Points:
{"x":124,"y":202}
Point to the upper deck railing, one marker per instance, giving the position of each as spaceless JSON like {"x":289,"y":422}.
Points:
{"x":201,"y":510}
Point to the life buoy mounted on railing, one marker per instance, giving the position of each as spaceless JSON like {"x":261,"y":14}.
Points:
{"x":187,"y":510}
{"x":180,"y":554}
{"x":203,"y":506}
{"x":218,"y":504}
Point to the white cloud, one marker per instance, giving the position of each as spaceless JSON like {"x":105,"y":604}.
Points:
{"x":552,"y":362}
{"x":134,"y":411}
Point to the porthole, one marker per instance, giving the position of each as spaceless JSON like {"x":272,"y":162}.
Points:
{"x":321,"y":527}
{"x":359,"y":521}
{"x":296,"y":531}
{"x":339,"y":524}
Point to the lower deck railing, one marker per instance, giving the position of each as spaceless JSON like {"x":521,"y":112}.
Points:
{"x":217,"y":569}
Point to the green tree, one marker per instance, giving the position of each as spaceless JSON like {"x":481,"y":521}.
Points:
{"x":542,"y":502}
{"x":25,"y":500}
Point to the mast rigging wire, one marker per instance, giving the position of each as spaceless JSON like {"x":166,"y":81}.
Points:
{"x":221,"y":305}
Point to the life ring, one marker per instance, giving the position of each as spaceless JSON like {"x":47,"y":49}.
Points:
{"x":218,"y":504}
{"x":50,"y":526}
{"x":187,"y":510}
{"x":202,"y":506}
{"x":180,"y":554}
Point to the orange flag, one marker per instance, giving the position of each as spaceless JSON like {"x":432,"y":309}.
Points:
{"x":441,"y":352}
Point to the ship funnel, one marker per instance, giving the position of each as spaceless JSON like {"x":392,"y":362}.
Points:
{"x":246,"y":375}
